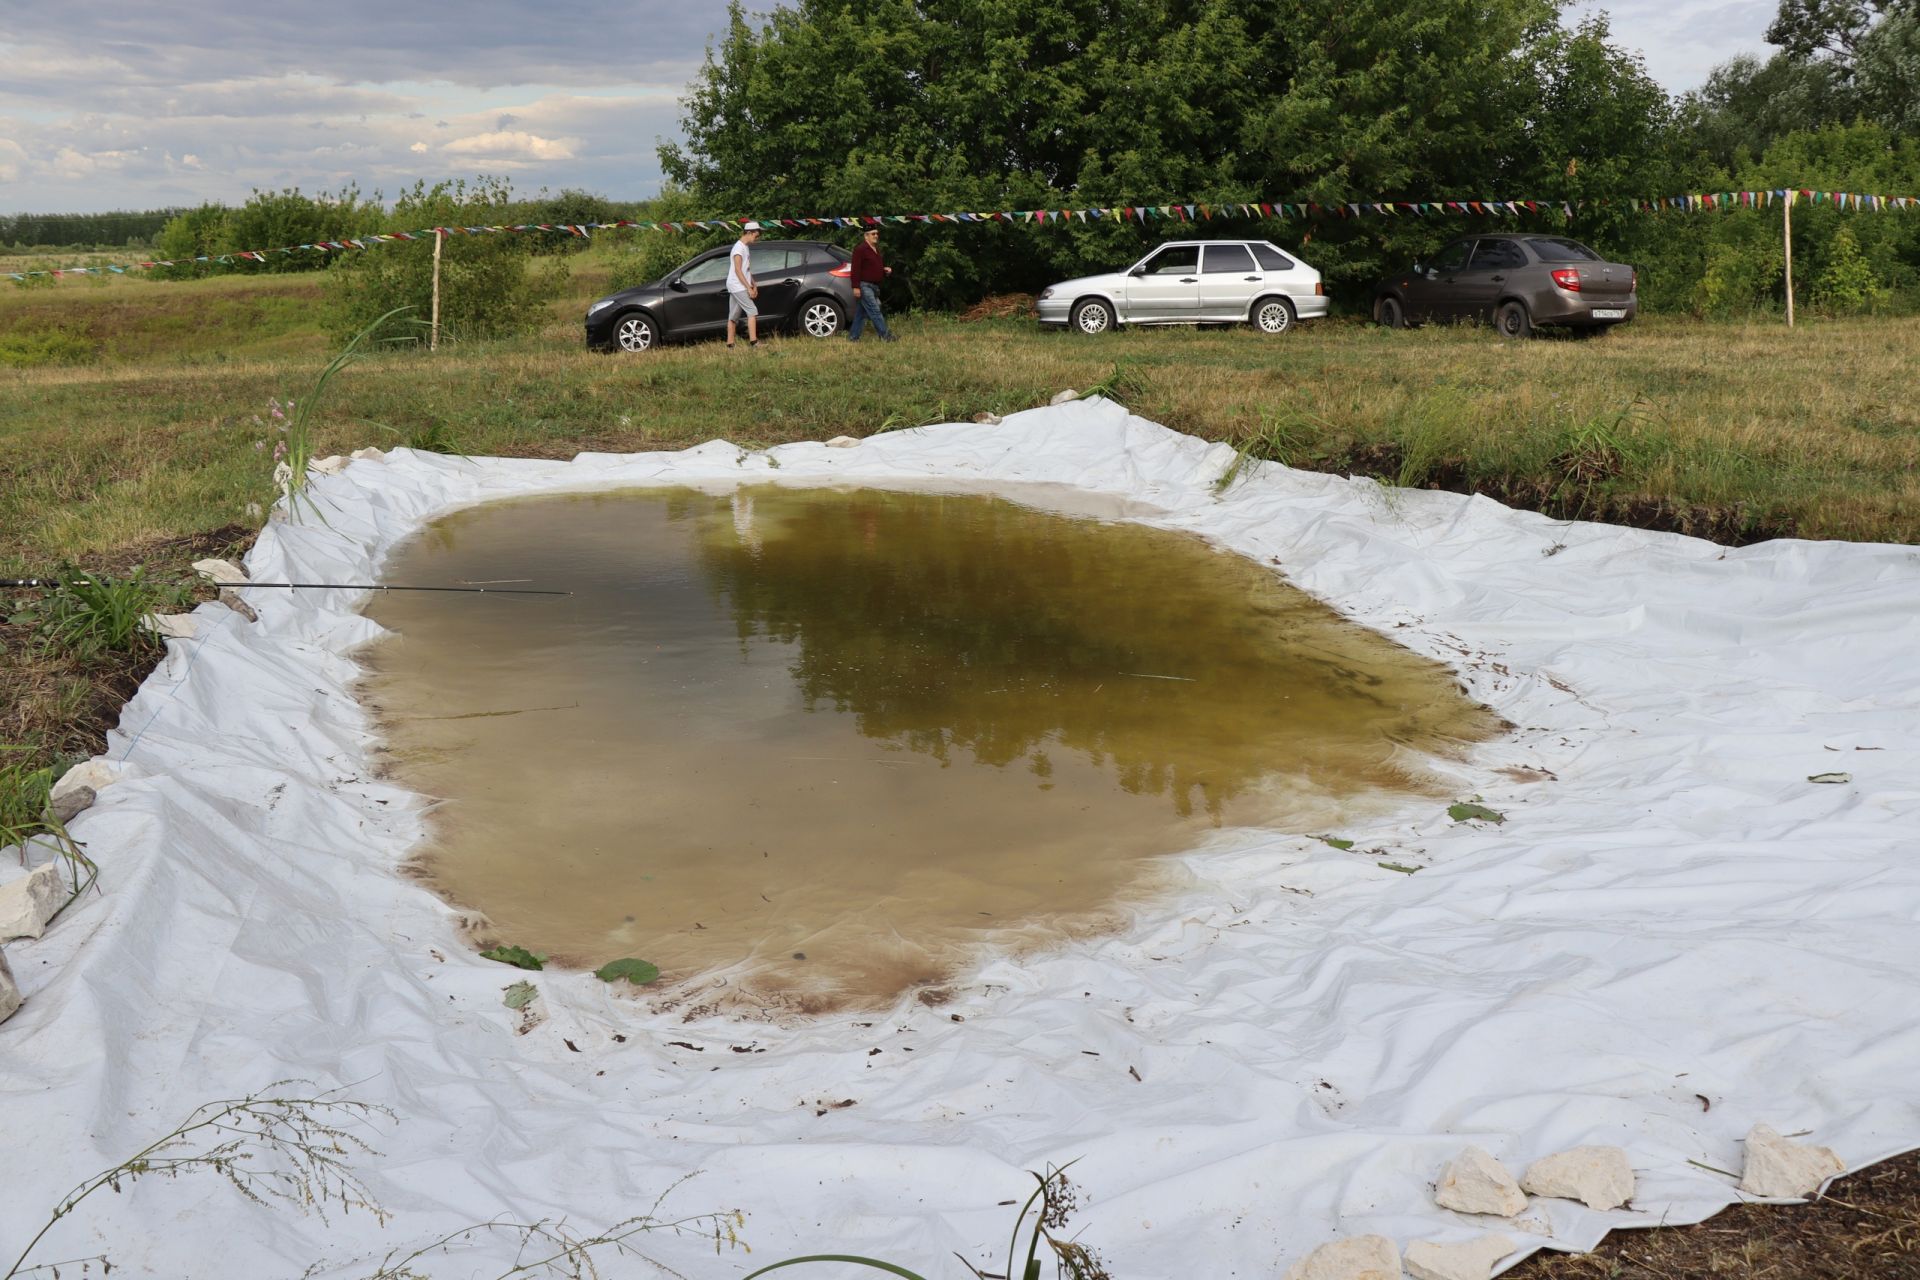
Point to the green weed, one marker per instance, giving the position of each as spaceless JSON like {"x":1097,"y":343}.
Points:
{"x":89,"y":615}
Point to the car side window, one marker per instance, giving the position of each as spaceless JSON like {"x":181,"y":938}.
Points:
{"x":706,"y":272}
{"x":767,"y":257}
{"x":1453,"y":257}
{"x":1271,"y":259}
{"x":1228,"y":257}
{"x":1498,"y":255}
{"x":1175,"y":260}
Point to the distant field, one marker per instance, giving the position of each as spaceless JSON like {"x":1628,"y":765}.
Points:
{"x":125,"y":417}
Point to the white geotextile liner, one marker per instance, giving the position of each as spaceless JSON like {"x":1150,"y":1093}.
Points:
{"x":1682,"y":919}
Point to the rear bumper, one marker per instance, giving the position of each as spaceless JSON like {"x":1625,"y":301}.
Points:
{"x":1310,"y":306}
{"x":1561,"y":307}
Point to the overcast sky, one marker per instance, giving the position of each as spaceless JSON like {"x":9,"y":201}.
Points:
{"x":128,"y":104}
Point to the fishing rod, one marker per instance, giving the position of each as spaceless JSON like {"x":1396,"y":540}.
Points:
{"x":54,"y":583}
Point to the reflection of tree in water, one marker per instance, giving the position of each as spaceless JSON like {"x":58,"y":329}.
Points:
{"x":943,"y":622}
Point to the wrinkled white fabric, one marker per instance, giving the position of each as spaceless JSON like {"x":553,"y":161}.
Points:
{"x":1676,"y":939}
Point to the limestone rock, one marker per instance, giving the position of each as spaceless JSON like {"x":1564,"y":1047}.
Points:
{"x":220,"y":571}
{"x":1357,"y":1258}
{"x":9,"y":993}
{"x":1062,"y":398}
{"x":28,"y":902}
{"x":170,"y":626}
{"x":375,"y":455}
{"x":1598,"y":1177}
{"x":329,"y":466}
{"x":90,"y":775}
{"x":72,"y":803}
{"x":1782,"y":1170}
{"x":1469,"y":1260}
{"x":842,"y":442}
{"x":1477,"y":1183}
{"x":238,"y":603}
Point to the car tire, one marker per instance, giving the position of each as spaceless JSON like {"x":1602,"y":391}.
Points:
{"x":822,"y":318}
{"x":1391,"y":313}
{"x":1092,"y":316}
{"x":635,"y":332}
{"x":1273,"y":316}
{"x":1512,"y":320}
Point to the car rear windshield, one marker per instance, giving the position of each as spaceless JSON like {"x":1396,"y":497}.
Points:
{"x":1565,"y":251}
{"x":829,"y":253}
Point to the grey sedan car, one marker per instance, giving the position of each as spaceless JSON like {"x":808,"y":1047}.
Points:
{"x":1516,"y":282}
{"x":1193,"y":282}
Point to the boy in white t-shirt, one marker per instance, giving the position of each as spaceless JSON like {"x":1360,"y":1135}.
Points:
{"x":741,"y":290}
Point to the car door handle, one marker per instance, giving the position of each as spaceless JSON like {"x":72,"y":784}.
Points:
{"x":1253,"y":279}
{"x":1189,"y":279}
{"x":1498,"y":279}
{"x":790,"y":280}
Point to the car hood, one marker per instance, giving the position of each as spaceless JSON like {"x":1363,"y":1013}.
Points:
{"x":1106,"y":283}
{"x":632,"y":293}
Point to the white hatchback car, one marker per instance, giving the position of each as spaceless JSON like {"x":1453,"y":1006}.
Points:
{"x":1193,"y":282}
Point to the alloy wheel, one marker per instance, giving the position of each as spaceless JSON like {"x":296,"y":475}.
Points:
{"x":821,"y":319}
{"x":634,"y":334}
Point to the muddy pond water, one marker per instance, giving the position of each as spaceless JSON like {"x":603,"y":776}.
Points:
{"x":815,"y":747}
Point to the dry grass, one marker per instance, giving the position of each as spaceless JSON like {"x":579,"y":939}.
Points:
{"x":1867,"y":1227}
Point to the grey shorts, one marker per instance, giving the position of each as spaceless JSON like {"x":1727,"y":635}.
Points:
{"x":740,"y":305}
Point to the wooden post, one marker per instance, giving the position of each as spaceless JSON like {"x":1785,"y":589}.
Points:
{"x":433,"y":341}
{"x":1786,"y":224}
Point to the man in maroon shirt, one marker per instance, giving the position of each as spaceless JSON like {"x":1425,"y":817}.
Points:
{"x":868,"y":272}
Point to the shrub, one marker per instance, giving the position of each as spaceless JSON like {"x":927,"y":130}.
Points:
{"x":24,"y":348}
{"x":1847,"y":283}
{"x":487,"y":289}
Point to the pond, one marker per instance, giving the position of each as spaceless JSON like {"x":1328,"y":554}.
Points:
{"x":818,"y":747}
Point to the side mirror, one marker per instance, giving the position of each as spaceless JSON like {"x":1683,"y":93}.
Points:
{"x":1419,"y":269}
{"x":677,"y":285}
{"x":1137,"y":271}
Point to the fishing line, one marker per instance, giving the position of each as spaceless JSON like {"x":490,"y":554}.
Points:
{"x":54,"y":583}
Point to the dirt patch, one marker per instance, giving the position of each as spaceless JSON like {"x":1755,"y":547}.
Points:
{"x":1734,"y":524}
{"x":1000,"y":306}
{"x":1867,"y":1227}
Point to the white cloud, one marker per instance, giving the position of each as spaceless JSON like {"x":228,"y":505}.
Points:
{"x":13,"y":159}
{"x":512,"y":145}
{"x":418,"y":148}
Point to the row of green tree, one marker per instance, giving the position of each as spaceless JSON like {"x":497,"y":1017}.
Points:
{"x":122,"y":228}
{"x":972,"y":104}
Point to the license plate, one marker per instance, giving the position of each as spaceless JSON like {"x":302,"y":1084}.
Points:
{"x":1609,"y":313}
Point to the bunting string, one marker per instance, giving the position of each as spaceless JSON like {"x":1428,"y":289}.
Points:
{"x":1196,"y":212}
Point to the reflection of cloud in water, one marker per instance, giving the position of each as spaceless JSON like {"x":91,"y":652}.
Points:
{"x":947,"y":624}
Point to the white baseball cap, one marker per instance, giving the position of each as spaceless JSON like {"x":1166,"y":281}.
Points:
{"x":751,"y":226}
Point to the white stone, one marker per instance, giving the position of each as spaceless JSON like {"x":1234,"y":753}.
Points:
{"x":1064,"y":396}
{"x":220,"y":571}
{"x":1358,"y":1258}
{"x":9,"y":993}
{"x":990,"y":419}
{"x":73,"y":802}
{"x":372,"y":455}
{"x":93,"y":775}
{"x":1783,"y":1170}
{"x":842,"y":442}
{"x":329,"y":466}
{"x":28,"y":902}
{"x":1477,"y":1183}
{"x":1468,"y":1260}
{"x":1598,"y":1177}
{"x":172,"y":626}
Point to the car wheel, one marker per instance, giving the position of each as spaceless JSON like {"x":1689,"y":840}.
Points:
{"x":822,"y":318}
{"x":1512,"y":321}
{"x":635,"y":332}
{"x":1273,"y":316}
{"x":1392,"y":314}
{"x":1093,"y":316}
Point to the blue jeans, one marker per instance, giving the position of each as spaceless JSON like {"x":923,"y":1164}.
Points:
{"x":866,"y":308}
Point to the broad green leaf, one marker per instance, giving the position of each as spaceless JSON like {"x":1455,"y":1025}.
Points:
{"x":638,"y":972}
{"x":1336,"y":842}
{"x":1401,"y":867}
{"x":519,"y":995}
{"x":518,"y":957}
{"x":1476,"y":812}
{"x":1830,"y":777}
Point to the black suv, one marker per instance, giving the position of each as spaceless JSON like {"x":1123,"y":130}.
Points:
{"x":805,"y":286}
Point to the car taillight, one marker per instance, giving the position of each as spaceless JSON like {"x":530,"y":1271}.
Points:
{"x":1567,"y":278}
{"x":1319,"y":289}
{"x":842,"y":271}
{"x":1633,"y":281}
